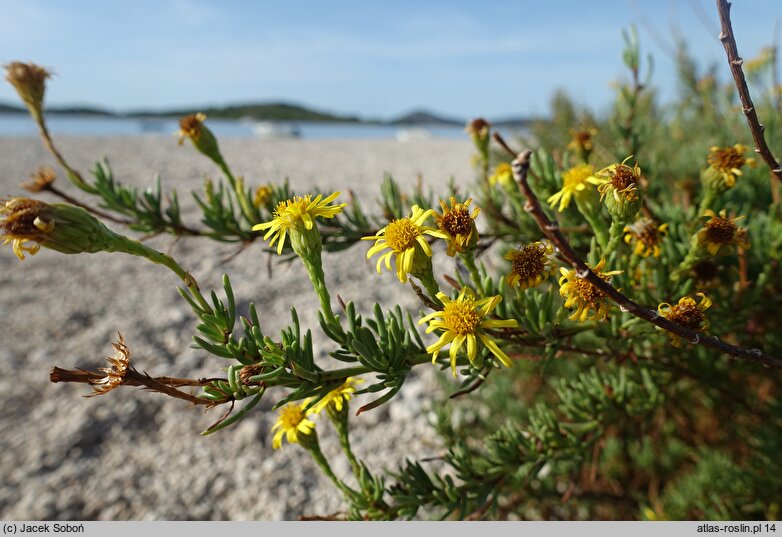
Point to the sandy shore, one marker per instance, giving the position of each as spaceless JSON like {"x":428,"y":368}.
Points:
{"x":132,"y":455}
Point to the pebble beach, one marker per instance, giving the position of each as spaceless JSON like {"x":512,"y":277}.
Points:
{"x":134,"y":455}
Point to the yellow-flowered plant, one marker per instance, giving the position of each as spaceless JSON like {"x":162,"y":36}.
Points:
{"x":646,"y":236}
{"x":688,"y":313}
{"x":292,"y":424}
{"x":462,"y":323}
{"x":458,"y":224}
{"x":530,"y":265}
{"x":590,"y":302}
{"x":721,"y":233}
{"x":405,"y":238}
{"x":575,"y":181}
{"x":503,"y":175}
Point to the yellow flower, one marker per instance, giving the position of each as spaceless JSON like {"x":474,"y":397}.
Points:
{"x":191,"y":127}
{"x":503,"y":174}
{"x":721,"y":232}
{"x":583,"y":295}
{"x":405,"y":238}
{"x":458,"y":224}
{"x":620,"y":188}
{"x":574,"y":181}
{"x":463,"y":322}
{"x":338,"y":396}
{"x":25,"y":221}
{"x":297,"y":212}
{"x":686,"y":313}
{"x":647,"y":237}
{"x":530,"y":265}
{"x":725,"y":165}
{"x":291,"y":423}
{"x":262,"y":195}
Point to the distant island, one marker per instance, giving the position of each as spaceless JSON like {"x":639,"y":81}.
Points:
{"x":265,"y":112}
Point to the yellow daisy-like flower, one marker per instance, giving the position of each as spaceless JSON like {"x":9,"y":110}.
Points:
{"x":721,"y":232}
{"x":725,"y":164}
{"x":405,"y":239}
{"x":687,"y":313}
{"x":574,"y":181}
{"x":530,"y":265}
{"x":338,"y":396}
{"x":25,"y":223}
{"x":299,"y":211}
{"x":647,"y":237}
{"x":620,"y":180}
{"x":458,"y":224}
{"x":463,"y":321}
{"x":291,"y":423}
{"x":262,"y":194}
{"x":191,"y":126}
{"x":584,"y":296}
{"x":503,"y":174}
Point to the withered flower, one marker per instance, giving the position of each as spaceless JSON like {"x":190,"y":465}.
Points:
{"x":41,"y":179}
{"x":114,"y":375}
{"x":29,"y":81}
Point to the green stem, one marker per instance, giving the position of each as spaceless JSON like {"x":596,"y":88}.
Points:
{"x":430,"y":284}
{"x":314,"y":449}
{"x":318,"y":279}
{"x":339,"y":418}
{"x":469,"y":260}
{"x":708,"y":199}
{"x":238,"y":189}
{"x":615,"y":236}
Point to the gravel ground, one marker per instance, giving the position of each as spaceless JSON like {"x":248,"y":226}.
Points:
{"x":132,"y":455}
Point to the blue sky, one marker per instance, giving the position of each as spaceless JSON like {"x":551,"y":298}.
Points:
{"x":374,"y":59}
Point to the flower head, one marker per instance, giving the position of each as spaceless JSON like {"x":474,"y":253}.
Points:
{"x":29,"y":81}
{"x":478,"y":128}
{"x":463,"y":321}
{"x":405,"y":238}
{"x":503,"y":174}
{"x":293,"y":424}
{"x":457,"y":222}
{"x":115,"y":374}
{"x":725,"y":165}
{"x":647,"y":237}
{"x":581,"y":142}
{"x":191,"y":126}
{"x":584,"y":296}
{"x":530,"y":265}
{"x":721,"y":232}
{"x":687,"y":313}
{"x":339,"y":396}
{"x":262,"y":195}
{"x":620,"y":189}
{"x":26,"y":223}
{"x":296,"y":215}
{"x":574,"y":181}
{"x":41,"y":179}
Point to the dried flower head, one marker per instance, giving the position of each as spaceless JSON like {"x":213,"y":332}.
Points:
{"x":29,"y":81}
{"x":584,"y":296}
{"x":247,"y":372}
{"x":297,"y":214}
{"x":41,"y":179}
{"x":503,"y":174}
{"x":478,"y":128}
{"x":721,"y":232}
{"x":647,"y":237}
{"x":115,"y":374}
{"x":462,"y":321}
{"x":191,"y":126}
{"x":530,"y":265}
{"x":725,"y":165}
{"x":575,"y":181}
{"x":405,"y":239}
{"x":457,"y":222}
{"x":620,"y":181}
{"x":26,"y":223}
{"x":686,"y":313}
{"x":293,"y":424}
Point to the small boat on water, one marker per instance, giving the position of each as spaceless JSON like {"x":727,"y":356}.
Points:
{"x":274,"y":129}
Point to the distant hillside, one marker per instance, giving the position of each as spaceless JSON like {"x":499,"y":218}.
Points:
{"x":267,"y":112}
{"x":423,"y":117}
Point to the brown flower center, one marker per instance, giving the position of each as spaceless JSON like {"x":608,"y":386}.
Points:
{"x":622,"y":178}
{"x":191,"y":125}
{"x":456,"y":222}
{"x":20,"y":222}
{"x":727,"y":158}
{"x":720,"y":230}
{"x":687,"y":314}
{"x":529,"y":261}
{"x":588,"y":293}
